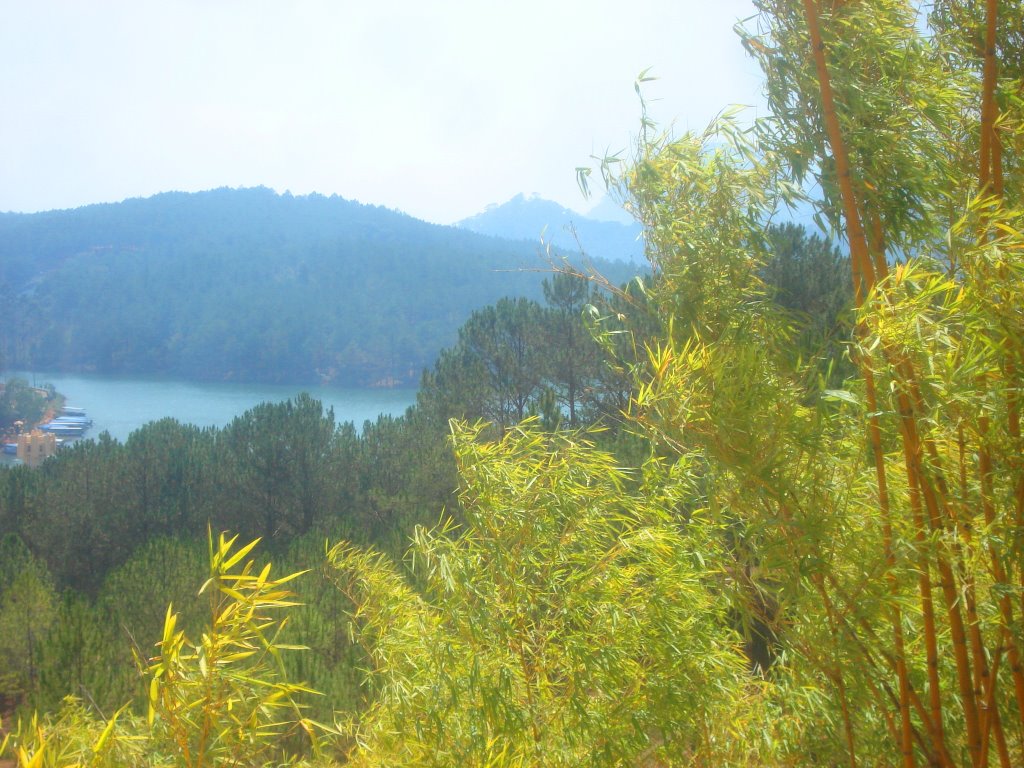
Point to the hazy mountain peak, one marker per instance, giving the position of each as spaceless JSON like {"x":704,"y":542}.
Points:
{"x":530,"y":217}
{"x":609,"y":210}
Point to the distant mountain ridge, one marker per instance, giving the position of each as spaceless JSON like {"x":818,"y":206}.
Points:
{"x":531,"y":218}
{"x":248,"y":285}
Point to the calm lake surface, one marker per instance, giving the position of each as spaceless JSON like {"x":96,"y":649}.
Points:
{"x":122,"y":405}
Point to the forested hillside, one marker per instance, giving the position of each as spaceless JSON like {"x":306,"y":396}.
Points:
{"x":246,"y":285}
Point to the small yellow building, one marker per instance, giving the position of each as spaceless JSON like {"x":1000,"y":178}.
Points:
{"x":35,"y":446}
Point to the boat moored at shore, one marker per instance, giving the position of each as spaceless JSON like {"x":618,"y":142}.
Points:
{"x":64,"y":430}
{"x":71,"y":423}
{"x":82,"y":420}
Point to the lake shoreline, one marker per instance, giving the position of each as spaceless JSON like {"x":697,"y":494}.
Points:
{"x":120,"y":405}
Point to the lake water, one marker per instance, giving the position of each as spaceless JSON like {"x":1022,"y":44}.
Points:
{"x":122,"y":405}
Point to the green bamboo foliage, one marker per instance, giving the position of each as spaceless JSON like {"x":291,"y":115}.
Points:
{"x":764,"y":445}
{"x":569,"y":623}
{"x":74,"y":737}
{"x":225,"y":700}
{"x":888,"y":579}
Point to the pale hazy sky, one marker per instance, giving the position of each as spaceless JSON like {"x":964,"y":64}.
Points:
{"x":436,"y":107}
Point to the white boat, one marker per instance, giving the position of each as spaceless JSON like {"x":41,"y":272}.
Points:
{"x":65,"y":430}
{"x":83,"y":420}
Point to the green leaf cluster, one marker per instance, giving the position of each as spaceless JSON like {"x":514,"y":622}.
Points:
{"x":224,"y":699}
{"x":570,"y":622}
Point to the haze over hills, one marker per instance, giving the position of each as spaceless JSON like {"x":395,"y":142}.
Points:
{"x":610,"y":234}
{"x":247,"y":285}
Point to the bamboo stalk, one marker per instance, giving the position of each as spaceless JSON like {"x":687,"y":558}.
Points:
{"x":988,"y":98}
{"x":851,"y":208}
{"x":990,"y":177}
{"x":997,"y":731}
{"x":947,"y":582}
{"x":937,"y":745}
{"x":840,"y":683}
{"x":877,"y":246}
{"x":990,"y":717}
{"x":834,"y":673}
{"x":864,"y":278}
{"x":990,"y":174}
{"x":927,"y":608}
{"x":972,"y":681}
{"x":984,"y":682}
{"x":998,"y":572}
{"x":988,"y":678}
{"x":934,"y":492}
{"x":908,"y":408}
{"x":896,"y":615}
